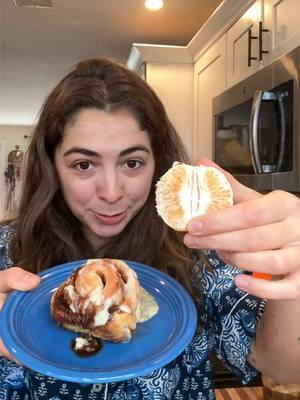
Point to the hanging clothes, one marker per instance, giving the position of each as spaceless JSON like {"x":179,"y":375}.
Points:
{"x":12,"y":176}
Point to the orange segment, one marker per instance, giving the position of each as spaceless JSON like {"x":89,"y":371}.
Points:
{"x":218,"y":188}
{"x":186,"y":191}
{"x":167,"y":192}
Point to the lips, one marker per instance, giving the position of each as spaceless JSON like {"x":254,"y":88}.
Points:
{"x":110,"y":219}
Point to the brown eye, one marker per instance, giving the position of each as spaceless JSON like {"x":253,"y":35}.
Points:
{"x":133,"y":164}
{"x":83,"y":165}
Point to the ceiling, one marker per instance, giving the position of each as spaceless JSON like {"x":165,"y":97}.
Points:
{"x":40,"y":45}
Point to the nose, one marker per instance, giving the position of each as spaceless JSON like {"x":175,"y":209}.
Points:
{"x":110,"y":187}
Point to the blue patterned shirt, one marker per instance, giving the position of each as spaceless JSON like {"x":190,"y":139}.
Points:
{"x":228,"y":315}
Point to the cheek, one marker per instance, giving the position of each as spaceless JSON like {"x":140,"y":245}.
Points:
{"x":141,"y":190}
{"x":75,"y":192}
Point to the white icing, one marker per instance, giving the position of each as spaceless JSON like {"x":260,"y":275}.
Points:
{"x":96,"y":296}
{"x":101,"y":317}
{"x":71,"y":292}
{"x":148,"y":306}
{"x":125,"y":309}
{"x":102,"y":314}
{"x":80,"y":343}
{"x":72,"y":295}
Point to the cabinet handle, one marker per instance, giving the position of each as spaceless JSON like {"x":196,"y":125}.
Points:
{"x":250,"y":37}
{"x":261,"y":31}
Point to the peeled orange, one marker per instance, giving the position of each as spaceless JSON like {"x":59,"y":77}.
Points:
{"x":186,"y":191}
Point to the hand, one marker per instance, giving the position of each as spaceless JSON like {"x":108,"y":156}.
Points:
{"x":10,"y":279}
{"x":259,"y":233}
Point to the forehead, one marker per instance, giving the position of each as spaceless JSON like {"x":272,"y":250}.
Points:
{"x":101,"y":129}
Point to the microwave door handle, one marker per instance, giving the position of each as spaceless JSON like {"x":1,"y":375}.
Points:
{"x":253,"y":131}
{"x":273,"y":96}
{"x":282,"y":131}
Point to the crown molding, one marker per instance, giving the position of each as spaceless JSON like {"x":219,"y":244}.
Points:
{"x":218,"y":23}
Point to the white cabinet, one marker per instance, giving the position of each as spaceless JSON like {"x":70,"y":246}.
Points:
{"x":266,"y":31}
{"x":187,"y":78}
{"x":240,"y":48}
{"x":282,"y":18}
{"x":209,"y":81}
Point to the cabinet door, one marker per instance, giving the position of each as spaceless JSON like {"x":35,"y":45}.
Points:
{"x":282,"y":18}
{"x":209,"y":81}
{"x":238,"y":45}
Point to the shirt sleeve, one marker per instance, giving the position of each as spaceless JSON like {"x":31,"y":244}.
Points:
{"x":5,"y":233}
{"x":232,"y":316}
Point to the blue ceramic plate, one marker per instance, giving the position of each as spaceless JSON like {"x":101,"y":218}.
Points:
{"x":32,"y":336}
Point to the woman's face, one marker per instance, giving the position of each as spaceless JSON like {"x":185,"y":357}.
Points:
{"x":105,"y":166}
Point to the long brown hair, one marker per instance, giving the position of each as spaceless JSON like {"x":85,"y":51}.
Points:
{"x":47,"y":233}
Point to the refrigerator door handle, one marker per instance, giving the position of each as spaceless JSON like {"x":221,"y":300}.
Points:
{"x":253,"y":131}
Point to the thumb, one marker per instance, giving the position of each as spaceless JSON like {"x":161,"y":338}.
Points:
{"x":17,"y":278}
{"x":241,"y":192}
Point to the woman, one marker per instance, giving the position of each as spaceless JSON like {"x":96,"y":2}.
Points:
{"x":102,"y":141}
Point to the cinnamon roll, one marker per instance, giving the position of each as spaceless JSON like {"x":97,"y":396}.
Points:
{"x":100,"y":299}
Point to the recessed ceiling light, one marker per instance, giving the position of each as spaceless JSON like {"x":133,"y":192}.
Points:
{"x":154,"y":4}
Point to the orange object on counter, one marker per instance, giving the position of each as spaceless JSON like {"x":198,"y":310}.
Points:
{"x":262,"y":275}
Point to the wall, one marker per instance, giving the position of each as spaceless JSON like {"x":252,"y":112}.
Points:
{"x":173,"y":83}
{"x":10,"y":136}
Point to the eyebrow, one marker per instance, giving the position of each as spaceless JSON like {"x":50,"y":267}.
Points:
{"x":92,"y":153}
{"x":134,"y":149}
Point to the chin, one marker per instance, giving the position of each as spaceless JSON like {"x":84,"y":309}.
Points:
{"x":109,"y":231}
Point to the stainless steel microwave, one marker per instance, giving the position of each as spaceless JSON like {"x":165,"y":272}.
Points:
{"x":256,"y":127}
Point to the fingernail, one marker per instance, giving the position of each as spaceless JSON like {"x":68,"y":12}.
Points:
{"x":195,"y":227}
